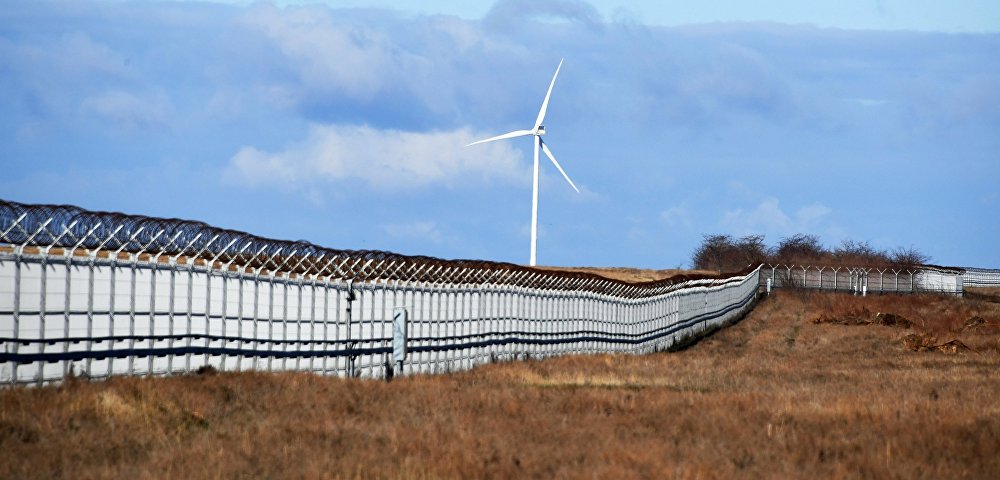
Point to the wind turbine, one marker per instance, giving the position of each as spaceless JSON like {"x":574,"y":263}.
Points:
{"x":537,"y":131}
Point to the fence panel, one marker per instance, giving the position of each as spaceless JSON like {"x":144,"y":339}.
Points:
{"x":865,"y":280}
{"x":981,"y":277}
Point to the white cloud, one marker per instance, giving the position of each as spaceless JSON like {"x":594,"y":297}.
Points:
{"x":812,"y":214}
{"x":737,"y":187}
{"x":127,"y":109}
{"x":766,"y":216}
{"x":381,"y":158}
{"x":53,"y":74}
{"x":506,"y":15}
{"x":769,"y":218}
{"x":677,"y":216}
{"x":347,"y":58}
{"x":79,"y":56}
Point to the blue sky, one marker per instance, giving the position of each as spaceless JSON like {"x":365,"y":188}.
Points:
{"x":343,"y":123}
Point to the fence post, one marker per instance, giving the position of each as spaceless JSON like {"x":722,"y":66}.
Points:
{"x":43,"y":277}
{"x":18,"y":252}
{"x":155,"y":263}
{"x":348,"y":318}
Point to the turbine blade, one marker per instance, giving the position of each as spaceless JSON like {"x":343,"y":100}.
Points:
{"x":545,"y":103}
{"x":548,"y":153}
{"x":515,"y":133}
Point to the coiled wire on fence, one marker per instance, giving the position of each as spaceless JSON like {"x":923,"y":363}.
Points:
{"x":70,"y":227}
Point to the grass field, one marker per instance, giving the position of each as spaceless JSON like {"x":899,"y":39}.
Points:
{"x":808,"y":385}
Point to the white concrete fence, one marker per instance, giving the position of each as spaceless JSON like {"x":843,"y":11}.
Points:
{"x":99,"y":294}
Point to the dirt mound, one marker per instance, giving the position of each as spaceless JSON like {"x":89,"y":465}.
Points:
{"x":865,"y":317}
{"x":920,"y":341}
{"x":980,"y":326}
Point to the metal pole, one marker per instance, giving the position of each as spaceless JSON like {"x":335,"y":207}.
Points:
{"x":349,"y":298}
{"x":67,"y":302}
{"x":18,"y":253}
{"x":43,"y":254}
{"x":326,"y":325}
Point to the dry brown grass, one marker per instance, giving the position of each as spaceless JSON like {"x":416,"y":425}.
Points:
{"x":633,"y":275}
{"x":776,"y":395}
{"x":989,"y":294}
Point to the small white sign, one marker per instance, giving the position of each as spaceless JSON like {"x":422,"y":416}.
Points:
{"x":399,"y":334}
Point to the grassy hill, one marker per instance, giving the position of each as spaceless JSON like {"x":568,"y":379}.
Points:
{"x":807,"y":385}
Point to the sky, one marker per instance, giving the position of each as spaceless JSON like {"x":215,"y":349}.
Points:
{"x":343,"y":123}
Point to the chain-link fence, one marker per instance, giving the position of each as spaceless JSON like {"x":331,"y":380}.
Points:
{"x":100,"y":294}
{"x":865,"y":280}
{"x":981,"y":277}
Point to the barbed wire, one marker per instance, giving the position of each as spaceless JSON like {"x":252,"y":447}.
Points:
{"x":73,"y":228}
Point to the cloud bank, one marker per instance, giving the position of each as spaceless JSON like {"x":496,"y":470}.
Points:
{"x":383,"y":159}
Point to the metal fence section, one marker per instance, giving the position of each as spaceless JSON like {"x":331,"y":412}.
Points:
{"x":101,"y":294}
{"x":864,"y":280}
{"x":981,"y":277}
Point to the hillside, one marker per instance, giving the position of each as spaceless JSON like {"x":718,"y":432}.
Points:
{"x":807,"y":385}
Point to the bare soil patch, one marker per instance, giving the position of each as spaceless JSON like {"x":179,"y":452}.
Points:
{"x":774,"y":396}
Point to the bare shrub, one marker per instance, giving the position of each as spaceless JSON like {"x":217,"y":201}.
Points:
{"x":752,"y":250}
{"x":851,"y":252}
{"x":727,"y":254}
{"x":908,"y":258}
{"x":799,"y":249}
{"x":713,"y":253}
{"x":724,"y":253}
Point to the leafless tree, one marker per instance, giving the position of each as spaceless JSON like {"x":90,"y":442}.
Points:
{"x":799,"y":249}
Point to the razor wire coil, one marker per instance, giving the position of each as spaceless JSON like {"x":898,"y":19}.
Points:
{"x":71,"y":227}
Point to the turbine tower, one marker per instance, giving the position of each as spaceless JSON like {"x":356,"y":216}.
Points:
{"x":537,"y":131}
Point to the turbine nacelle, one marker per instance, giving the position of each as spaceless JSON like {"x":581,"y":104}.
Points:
{"x":540,"y":130}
